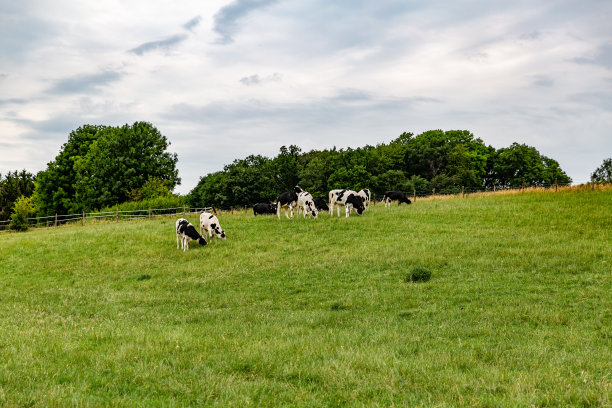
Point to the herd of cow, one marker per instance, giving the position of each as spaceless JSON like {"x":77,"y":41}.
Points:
{"x":300,"y":199}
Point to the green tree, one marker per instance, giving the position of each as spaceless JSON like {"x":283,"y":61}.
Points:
{"x":12,"y":186}
{"x":152,"y":188}
{"x":121,"y":160}
{"x":22,"y":209}
{"x":520,"y":163}
{"x":55,"y":187}
{"x":603,"y":174}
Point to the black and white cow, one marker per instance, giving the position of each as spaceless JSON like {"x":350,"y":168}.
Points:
{"x":365,"y":195}
{"x":321,"y":204}
{"x":288,"y":200}
{"x":185,"y":232}
{"x":398,"y":196}
{"x":264,"y":208}
{"x":305,"y":202}
{"x":348,"y":198}
{"x":210,"y":224}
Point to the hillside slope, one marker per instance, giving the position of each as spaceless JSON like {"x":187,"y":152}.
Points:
{"x":317,"y":312}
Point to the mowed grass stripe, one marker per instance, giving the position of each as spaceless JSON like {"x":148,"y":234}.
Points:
{"x":310,"y":312}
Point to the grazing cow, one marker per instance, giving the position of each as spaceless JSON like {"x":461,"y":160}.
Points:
{"x":321,"y":204}
{"x":288,"y":200}
{"x":348,"y":198}
{"x":185,"y":232}
{"x":305,"y":202}
{"x":365,"y":195}
{"x":264,"y":208}
{"x":398,"y":196}
{"x":211,"y":226}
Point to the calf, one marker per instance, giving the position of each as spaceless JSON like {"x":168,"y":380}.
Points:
{"x":365,"y":195}
{"x":264,"y":208}
{"x":185,"y":232}
{"x":288,"y":200}
{"x":305,"y":202}
{"x":321,"y":204}
{"x":398,"y":196}
{"x":210,"y":223}
{"x":348,"y":198}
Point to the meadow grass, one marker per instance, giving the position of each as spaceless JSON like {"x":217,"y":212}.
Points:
{"x":318,"y":312}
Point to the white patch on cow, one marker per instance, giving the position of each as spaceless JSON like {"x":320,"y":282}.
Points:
{"x":210,"y":224}
{"x":305,"y":203}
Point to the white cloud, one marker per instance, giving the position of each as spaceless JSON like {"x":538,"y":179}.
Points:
{"x":226,"y":79}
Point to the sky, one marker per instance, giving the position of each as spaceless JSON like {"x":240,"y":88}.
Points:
{"x":226,"y":79}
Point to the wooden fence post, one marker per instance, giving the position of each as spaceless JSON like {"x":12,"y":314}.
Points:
{"x":149,"y":213}
{"x":434,"y":193}
{"x":117,"y":214}
{"x":463,"y":191}
{"x":523,"y":186}
{"x":83,"y":219}
{"x":374,"y":197}
{"x":414,"y":194}
{"x":56,"y":219}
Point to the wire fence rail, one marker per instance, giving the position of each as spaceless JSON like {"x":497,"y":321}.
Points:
{"x":53,"y":221}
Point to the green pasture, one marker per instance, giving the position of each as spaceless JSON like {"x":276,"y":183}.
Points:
{"x":318,"y":312}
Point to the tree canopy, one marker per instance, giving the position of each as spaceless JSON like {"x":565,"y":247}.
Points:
{"x":603,"y":174}
{"x":101,"y":165}
{"x":12,"y":186}
{"x":445,"y":160}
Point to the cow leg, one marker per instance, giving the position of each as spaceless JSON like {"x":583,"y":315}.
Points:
{"x":278,"y":210}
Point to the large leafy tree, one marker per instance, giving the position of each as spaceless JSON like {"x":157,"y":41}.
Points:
{"x":12,"y":186}
{"x":100,"y":165}
{"x":603,"y":174}
{"x":121,"y":160}
{"x":55,"y":186}
{"x":520,"y":163}
{"x":448,"y":159}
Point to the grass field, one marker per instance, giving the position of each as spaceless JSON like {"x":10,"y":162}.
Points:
{"x":518,"y":311}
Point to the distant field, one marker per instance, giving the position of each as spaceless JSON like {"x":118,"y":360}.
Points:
{"x":518,"y":311}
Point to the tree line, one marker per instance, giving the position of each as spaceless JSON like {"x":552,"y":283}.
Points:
{"x":104,"y":166}
{"x":445,"y":160}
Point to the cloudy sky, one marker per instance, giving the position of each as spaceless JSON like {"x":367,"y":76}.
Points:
{"x":225,"y":79}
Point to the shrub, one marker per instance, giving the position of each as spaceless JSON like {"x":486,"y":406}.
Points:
{"x":21,"y":209}
{"x":418,"y":274}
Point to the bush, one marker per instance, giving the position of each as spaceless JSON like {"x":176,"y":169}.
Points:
{"x":418,"y":274}
{"x":22,"y":208}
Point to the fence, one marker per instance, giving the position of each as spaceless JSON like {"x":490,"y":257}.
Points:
{"x":56,"y":220}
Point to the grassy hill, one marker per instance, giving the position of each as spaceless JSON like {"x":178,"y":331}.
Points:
{"x":518,"y":311}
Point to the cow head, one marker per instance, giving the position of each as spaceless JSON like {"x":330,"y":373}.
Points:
{"x":357,"y":203}
{"x":298,"y":189}
{"x":202,"y":241}
{"x":273,"y":207}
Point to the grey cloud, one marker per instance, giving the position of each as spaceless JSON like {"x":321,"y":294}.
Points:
{"x":13,"y":101}
{"x":191,"y":24}
{"x":84,"y":83}
{"x":337,"y":109}
{"x":602,"y":58}
{"x":226,"y":19}
{"x":164,"y":44}
{"x":602,"y":101}
{"x":257,"y":80}
{"x":543,"y":81}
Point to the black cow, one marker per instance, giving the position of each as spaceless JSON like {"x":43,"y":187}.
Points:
{"x":398,"y":196}
{"x":264,"y":208}
{"x":288,"y":200}
{"x":185,"y":232}
{"x":321,"y":204}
